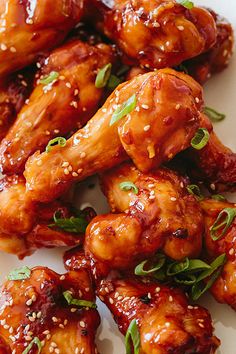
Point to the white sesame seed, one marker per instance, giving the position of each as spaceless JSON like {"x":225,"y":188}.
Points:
{"x":146,"y":128}
{"x":111,"y":300}
{"x":170,"y":298}
{"x":82,"y":324}
{"x":180,"y":28}
{"x":145,"y":106}
{"x":177,"y":107}
{"x":231,"y":251}
{"x":197,"y":99}
{"x":12,"y":49}
{"x":173,"y":199}
{"x":3,"y":47}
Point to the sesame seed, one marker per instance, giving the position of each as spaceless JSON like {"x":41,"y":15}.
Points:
{"x":167,"y":324}
{"x":74,"y":104}
{"x":29,"y":302}
{"x":68,"y":85}
{"x":173,"y":199}
{"x":82,"y":155}
{"x":33,"y":297}
{"x":74,"y":174}
{"x":62,"y":277}
{"x":6,"y":326}
{"x":66,"y":171}
{"x":190,"y":307}
{"x":29,"y":21}
{"x":180,"y":28}
{"x":231,"y":251}
{"x":82,"y":324}
{"x":213,"y":187}
{"x":3,"y":47}
{"x":65,"y":164}
{"x":146,"y":128}
{"x":53,"y":344}
{"x":145,"y":106}
{"x":46,"y":332}
{"x":152,"y":197}
{"x":170,"y":298}
{"x":197,"y":99}
{"x":104,"y":110}
{"x":177,"y":107}
{"x":54,"y":319}
{"x":158,"y":289}
{"x":80,"y":170}
{"x":111,"y":300}
{"x":73,"y":309}
{"x":201,"y":325}
{"x":12,"y":49}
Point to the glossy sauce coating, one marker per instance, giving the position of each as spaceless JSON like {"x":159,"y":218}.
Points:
{"x":59,"y":107}
{"x":224,"y":289}
{"x":36,"y":307}
{"x":31,"y":27}
{"x":167,"y":322}
{"x":217,"y":58}
{"x":163,"y":122}
{"x":161,"y":216}
{"x":24,"y":224}
{"x":156,"y":33}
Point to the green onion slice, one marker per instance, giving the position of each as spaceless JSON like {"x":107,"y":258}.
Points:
{"x":127,"y":186}
{"x":103,"y":76}
{"x":34,"y":341}
{"x":177,"y":267}
{"x":195,"y":190}
{"x":56,"y":141}
{"x":73,"y":224}
{"x":200,"y":139}
{"x":49,"y":78}
{"x":213,"y":115}
{"x":185,"y":279}
{"x":186,"y":3}
{"x":224,"y":220}
{"x":19,"y":273}
{"x":124,"y":109}
{"x":132,"y":338}
{"x":199,"y":288}
{"x":218,"y":197}
{"x":80,"y":303}
{"x":113,"y":82}
{"x":158,"y":261}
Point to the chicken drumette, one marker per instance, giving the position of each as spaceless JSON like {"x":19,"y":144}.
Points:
{"x":152,"y":212}
{"x":148,"y":119}
{"x":218,"y":242}
{"x":166,"y":322}
{"x":37,"y":312}
{"x":26,"y":226}
{"x":63,"y":101}
{"x":28,"y":29}
{"x":156,"y":33}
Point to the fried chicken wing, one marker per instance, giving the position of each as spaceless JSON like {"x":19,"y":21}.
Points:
{"x":156,"y":213}
{"x":14,"y":90}
{"x":148,"y":119}
{"x":224,"y":289}
{"x":58,"y":107}
{"x":35,"y":312}
{"x":167,"y":323}
{"x":24,"y":226}
{"x":156,"y":33}
{"x":217,"y":58}
{"x":29,"y":28}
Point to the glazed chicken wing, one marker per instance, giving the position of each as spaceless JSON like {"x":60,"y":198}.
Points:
{"x":14,"y":90}
{"x":29,"y":28}
{"x":36,"y":313}
{"x":166,"y":322}
{"x":217,"y":58}
{"x":224,"y":289}
{"x":148,"y":119}
{"x":59,"y":105}
{"x":24,"y":226}
{"x":157,"y":212}
{"x":156,"y":33}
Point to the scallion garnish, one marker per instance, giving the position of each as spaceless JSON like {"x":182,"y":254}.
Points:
{"x":124,"y":109}
{"x":218,"y":197}
{"x":56,"y":141}
{"x":157,"y":262}
{"x":213,"y":114}
{"x":186,"y":3}
{"x":113,"y":82}
{"x":74,"y":224}
{"x":49,"y":78}
{"x":132,"y":338}
{"x":200,"y":139}
{"x":195,"y":190}
{"x":103,"y":76}
{"x":127,"y":186}
{"x":19,"y":273}
{"x":77,"y":302}
{"x":223,"y":220}
{"x":34,"y":341}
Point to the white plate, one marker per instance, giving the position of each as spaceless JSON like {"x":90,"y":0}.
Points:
{"x":220,"y":94}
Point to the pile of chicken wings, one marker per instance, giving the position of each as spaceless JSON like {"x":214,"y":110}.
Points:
{"x":114,"y":88}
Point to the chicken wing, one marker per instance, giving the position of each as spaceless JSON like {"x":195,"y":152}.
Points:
{"x":156,"y":33}
{"x":166,"y":322}
{"x":148,"y":119}
{"x":153,"y":211}
{"x":217,"y":58}
{"x":224,"y":289}
{"x":59,"y":106}
{"x":24,"y":226}
{"x":28,"y":29}
{"x":14,"y":90}
{"x":38,"y":312}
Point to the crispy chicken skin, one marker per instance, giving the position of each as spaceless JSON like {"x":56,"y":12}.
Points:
{"x":167,"y":322}
{"x":36,"y":307}
{"x":30,"y":27}
{"x":215,"y":165}
{"x":24,"y":224}
{"x":14,"y":90}
{"x":59,"y":107}
{"x":156,"y":33}
{"x":162,"y":215}
{"x":164,"y":120}
{"x":224,"y":289}
{"x":217,"y":58}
